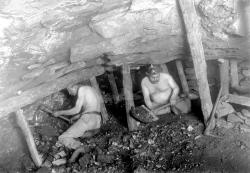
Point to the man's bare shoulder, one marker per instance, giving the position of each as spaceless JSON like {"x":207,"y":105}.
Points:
{"x":85,"y":89}
{"x":166,"y":75}
{"x":144,"y":81}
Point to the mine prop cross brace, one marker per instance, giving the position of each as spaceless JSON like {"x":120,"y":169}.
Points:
{"x":44,"y":108}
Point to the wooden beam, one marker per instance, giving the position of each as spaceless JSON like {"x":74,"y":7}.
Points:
{"x":224,"y":76}
{"x":194,"y":39}
{"x":145,"y":58}
{"x":182,"y":76}
{"x":211,"y":121}
{"x":164,"y":68}
{"x":128,"y":93}
{"x":48,"y":75}
{"x":104,"y":112}
{"x":234,"y":73}
{"x":22,"y":123}
{"x":240,"y":100}
{"x":27,"y":97}
{"x":115,"y":93}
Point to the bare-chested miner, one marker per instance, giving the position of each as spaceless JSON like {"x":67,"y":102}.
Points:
{"x":160,"y":89}
{"x":90,"y":119}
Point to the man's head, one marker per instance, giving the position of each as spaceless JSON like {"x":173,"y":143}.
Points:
{"x":72,"y":89}
{"x":153,"y":73}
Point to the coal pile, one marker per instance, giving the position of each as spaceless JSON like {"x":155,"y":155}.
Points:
{"x":157,"y":147}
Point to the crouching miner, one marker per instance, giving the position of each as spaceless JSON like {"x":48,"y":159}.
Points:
{"x":160,"y":90}
{"x":86,"y":111}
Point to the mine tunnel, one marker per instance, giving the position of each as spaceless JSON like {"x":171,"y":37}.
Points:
{"x":127,"y":86}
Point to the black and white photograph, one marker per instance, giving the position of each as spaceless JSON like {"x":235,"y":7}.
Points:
{"x":125,"y":86}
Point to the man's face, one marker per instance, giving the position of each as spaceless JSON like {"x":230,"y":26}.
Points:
{"x":73,"y":90}
{"x":154,"y":78}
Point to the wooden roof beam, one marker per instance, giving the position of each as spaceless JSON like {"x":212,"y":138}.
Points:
{"x":196,"y":48}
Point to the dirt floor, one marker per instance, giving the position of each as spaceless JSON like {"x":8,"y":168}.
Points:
{"x":172,"y":144}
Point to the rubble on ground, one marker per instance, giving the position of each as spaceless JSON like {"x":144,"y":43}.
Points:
{"x":156,"y":147}
{"x":228,"y":118}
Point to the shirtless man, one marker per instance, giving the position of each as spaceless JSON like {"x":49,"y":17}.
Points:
{"x":90,"y":119}
{"x":160,"y":89}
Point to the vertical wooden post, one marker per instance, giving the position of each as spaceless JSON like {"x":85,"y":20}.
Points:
{"x":234,"y":73}
{"x":194,"y":39}
{"x":164,"y":68}
{"x":115,"y":94}
{"x":224,"y":77}
{"x":22,"y":123}
{"x":104,"y":112}
{"x":128,"y":93}
{"x":182,"y":76}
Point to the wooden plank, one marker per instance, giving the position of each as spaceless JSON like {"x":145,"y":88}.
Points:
{"x":142,"y":59}
{"x":240,"y":100}
{"x":192,"y":26}
{"x":27,"y":97}
{"x":234,"y":73}
{"x":211,"y":121}
{"x":224,"y":76}
{"x":115,"y":93}
{"x":22,"y":123}
{"x":48,"y":75}
{"x":182,"y":76}
{"x":164,"y":68}
{"x":104,"y":112}
{"x":128,"y":93}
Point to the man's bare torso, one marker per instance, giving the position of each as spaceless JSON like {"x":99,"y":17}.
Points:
{"x":159,"y":92}
{"x":91,"y":99}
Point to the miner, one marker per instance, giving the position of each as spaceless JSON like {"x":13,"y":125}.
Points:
{"x":86,"y":112}
{"x":160,"y":89}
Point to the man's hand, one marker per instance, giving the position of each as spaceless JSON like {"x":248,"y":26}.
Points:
{"x":173,"y":101}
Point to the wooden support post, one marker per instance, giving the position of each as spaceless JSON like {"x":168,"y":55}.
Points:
{"x":182,"y":76}
{"x":128,"y":93}
{"x":104,"y":112}
{"x":164,"y":68}
{"x":194,"y":39}
{"x":27,"y":97}
{"x":224,"y":76}
{"x":22,"y":123}
{"x":240,"y":100}
{"x":234,"y":73}
{"x":115,"y":93}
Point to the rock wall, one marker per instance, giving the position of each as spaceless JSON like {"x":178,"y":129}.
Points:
{"x":37,"y":33}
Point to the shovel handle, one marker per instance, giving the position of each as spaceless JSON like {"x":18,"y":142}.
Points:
{"x":50,"y":112}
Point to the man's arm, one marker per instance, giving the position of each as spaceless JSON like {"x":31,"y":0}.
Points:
{"x":76,"y":109}
{"x":146,"y":96}
{"x":175,"y":89}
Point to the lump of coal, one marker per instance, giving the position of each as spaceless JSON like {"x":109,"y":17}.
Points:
{"x":106,"y":158}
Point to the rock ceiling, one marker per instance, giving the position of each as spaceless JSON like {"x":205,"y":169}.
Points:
{"x":34,"y":33}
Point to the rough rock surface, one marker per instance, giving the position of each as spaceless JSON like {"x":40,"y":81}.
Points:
{"x":34,"y":32}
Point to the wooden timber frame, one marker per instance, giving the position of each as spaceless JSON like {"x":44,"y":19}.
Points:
{"x":228,"y":68}
{"x":115,"y":93}
{"x":193,"y":33}
{"x":24,"y":126}
{"x":128,"y":93}
{"x":231,"y":98}
{"x":128,"y":88}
